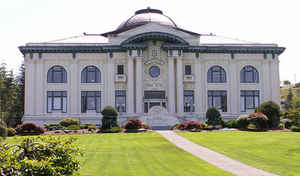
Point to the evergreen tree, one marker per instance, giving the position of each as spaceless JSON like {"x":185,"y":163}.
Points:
{"x":288,"y":104}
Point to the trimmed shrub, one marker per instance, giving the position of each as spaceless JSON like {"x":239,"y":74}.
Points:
{"x":231,"y":124}
{"x":109,"y":118}
{"x":84,"y":126}
{"x":281,"y":125}
{"x":11,"y":132}
{"x":209,"y":127}
{"x":69,"y":121}
{"x":190,"y":126}
{"x":29,"y":128}
{"x":146,"y":126}
{"x":295,"y":128}
{"x":115,"y":129}
{"x":213,"y":116}
{"x":53,"y":126}
{"x":272,"y":111}
{"x":242,"y":122}
{"x":175,"y":127}
{"x":92,"y":127}
{"x":259,"y":119}
{"x":73,"y":127}
{"x":134,"y":123}
{"x":43,"y":156}
{"x":203,"y":124}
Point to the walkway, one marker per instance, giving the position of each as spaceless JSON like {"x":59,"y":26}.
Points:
{"x":212,"y":157}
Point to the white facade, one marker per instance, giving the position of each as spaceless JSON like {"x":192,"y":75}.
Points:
{"x":158,"y":69}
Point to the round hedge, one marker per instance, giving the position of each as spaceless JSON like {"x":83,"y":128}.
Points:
{"x":213,"y":116}
{"x":272,"y":111}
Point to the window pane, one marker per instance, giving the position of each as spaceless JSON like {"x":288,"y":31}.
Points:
{"x":210,"y":101}
{"x":49,"y":104}
{"x":242,"y":104}
{"x":57,"y":76}
{"x":256,"y":101}
{"x":98,"y":103}
{"x":64,"y":108}
{"x":188,"y":70}
{"x":120,"y":69}
{"x":249,"y":76}
{"x":249,"y":102}
{"x":91,"y":76}
{"x":56,"y":103}
{"x":217,"y":102}
{"x":91,"y":104}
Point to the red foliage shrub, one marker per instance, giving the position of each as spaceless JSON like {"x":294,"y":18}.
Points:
{"x":27,"y":128}
{"x":190,"y":125}
{"x":134,"y":123}
{"x":259,"y":119}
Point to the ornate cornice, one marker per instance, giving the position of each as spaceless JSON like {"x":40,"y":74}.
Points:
{"x":125,"y":47}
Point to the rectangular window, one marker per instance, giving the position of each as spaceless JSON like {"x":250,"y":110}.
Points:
{"x":120,"y":70}
{"x":91,"y":101}
{"x":189,"y":101}
{"x":188,"y":70}
{"x":120,"y":100}
{"x":170,"y":53}
{"x":56,"y":101}
{"x":218,"y":99}
{"x":249,"y":100}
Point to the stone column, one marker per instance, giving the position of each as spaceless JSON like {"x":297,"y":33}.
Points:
{"x":275,"y":81}
{"x":74,"y":95}
{"x":198,"y":97}
{"x":265,"y":81}
{"x":139,"y":85}
{"x":39,"y":100}
{"x":171,"y":84}
{"x":110,"y":84}
{"x":179,"y":86}
{"x":130,"y":86}
{"x":233,"y":93}
{"x":29,"y":86}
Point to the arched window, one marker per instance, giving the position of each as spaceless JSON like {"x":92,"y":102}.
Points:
{"x":90,"y":74}
{"x":57,"y":74}
{"x":216,"y":74}
{"x":249,"y":74}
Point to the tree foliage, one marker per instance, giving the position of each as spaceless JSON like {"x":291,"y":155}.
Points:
{"x":40,"y":156}
{"x":11,"y":95}
{"x":286,"y":82}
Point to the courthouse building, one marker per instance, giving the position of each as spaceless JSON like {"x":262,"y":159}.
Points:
{"x":150,"y":68}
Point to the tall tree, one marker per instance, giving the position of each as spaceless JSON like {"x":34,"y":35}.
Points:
{"x":18,"y":107}
{"x":288,"y":104}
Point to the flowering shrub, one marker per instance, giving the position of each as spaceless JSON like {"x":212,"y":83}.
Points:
{"x":11,"y":132}
{"x":69,"y":121}
{"x":190,"y":125}
{"x":259,"y":120}
{"x":28,"y":128}
{"x":134,"y":123}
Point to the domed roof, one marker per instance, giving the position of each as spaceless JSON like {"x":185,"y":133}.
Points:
{"x":145,"y":16}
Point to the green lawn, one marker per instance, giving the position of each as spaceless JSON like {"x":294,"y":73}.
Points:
{"x":138,"y":154}
{"x":277,"y":152}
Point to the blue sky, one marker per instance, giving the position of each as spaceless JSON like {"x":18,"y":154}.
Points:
{"x":264,"y":21}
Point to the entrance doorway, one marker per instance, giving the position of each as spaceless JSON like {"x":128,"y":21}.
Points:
{"x":154,"y":98}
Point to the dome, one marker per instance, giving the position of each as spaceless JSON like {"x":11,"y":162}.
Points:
{"x":145,"y":16}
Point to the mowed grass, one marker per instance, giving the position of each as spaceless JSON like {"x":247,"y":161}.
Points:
{"x":137,"y":154}
{"x":277,"y":152}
